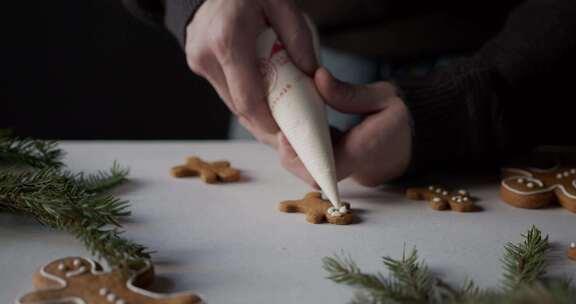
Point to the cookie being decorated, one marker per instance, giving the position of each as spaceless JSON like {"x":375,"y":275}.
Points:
{"x":318,"y":210}
{"x":439,"y":198}
{"x":537,"y":188}
{"x":80,"y":280}
{"x":209,"y":172}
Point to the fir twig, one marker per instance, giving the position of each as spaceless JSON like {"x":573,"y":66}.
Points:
{"x":74,"y":203}
{"x":411,"y":282}
{"x":525,"y":263}
{"x":29,"y":152}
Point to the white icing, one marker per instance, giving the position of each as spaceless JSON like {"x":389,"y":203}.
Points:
{"x":559,"y":176}
{"x":520,"y":180}
{"x":436,"y":200}
{"x":530,"y":185}
{"x":111,"y":297}
{"x":445,"y":193}
{"x":465,"y":199}
{"x":572,"y":245}
{"x":76,"y":272}
{"x":573,"y":171}
{"x":129,"y":284}
{"x":462,"y":192}
{"x":61,"y":267}
{"x":120,"y":301}
{"x":76,"y":262}
{"x":343,"y":209}
{"x":438,"y":190}
{"x":566,"y":173}
{"x":431,"y":188}
{"x":103,"y":291}
{"x":334,"y":211}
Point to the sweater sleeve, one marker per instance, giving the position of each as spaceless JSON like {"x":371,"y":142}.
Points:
{"x":174,"y":14}
{"x":501,"y":101}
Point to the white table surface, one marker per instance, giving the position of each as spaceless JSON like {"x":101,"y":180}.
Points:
{"x":229,"y":243}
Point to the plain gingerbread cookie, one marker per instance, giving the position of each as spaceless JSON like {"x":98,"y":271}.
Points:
{"x":441,"y":199}
{"x":209,"y":172}
{"x":318,"y":210}
{"x":536,"y":188}
{"x":80,"y":280}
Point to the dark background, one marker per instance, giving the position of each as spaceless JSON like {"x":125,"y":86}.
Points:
{"x":88,"y":69}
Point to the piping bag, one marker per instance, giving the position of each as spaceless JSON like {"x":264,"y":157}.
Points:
{"x":299,"y":111}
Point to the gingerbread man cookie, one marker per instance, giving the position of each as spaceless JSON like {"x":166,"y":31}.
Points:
{"x":572,"y":251}
{"x":537,"y":188}
{"x":318,"y":210}
{"x":441,"y":199}
{"x":210,"y":172}
{"x":80,"y":280}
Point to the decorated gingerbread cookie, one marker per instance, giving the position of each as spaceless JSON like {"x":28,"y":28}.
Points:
{"x":209,"y":172}
{"x":318,"y":210}
{"x":440,"y":198}
{"x":572,"y":251}
{"x":80,"y":280}
{"x":536,"y":188}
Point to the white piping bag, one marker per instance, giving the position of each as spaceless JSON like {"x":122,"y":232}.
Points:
{"x":299,"y":111}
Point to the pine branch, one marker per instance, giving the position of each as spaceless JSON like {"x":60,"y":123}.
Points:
{"x":525,"y":263}
{"x":74,"y":203}
{"x":29,"y":152}
{"x":411,"y":282}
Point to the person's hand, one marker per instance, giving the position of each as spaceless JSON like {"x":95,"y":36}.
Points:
{"x":221,"y":47}
{"x":373,"y":152}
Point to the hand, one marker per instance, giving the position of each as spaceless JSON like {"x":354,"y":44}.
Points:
{"x":221,"y":47}
{"x":373,"y":152}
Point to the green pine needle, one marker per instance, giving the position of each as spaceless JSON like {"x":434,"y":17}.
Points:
{"x":410,"y":281}
{"x":29,"y":152}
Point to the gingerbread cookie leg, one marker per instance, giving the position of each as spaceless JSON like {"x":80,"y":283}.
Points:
{"x":441,"y":199}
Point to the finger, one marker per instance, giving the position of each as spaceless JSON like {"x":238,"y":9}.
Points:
{"x":294,"y":32}
{"x":360,"y":151}
{"x":218,"y":81}
{"x":348,"y":98}
{"x":291,"y":162}
{"x":245,"y":83}
{"x":263,"y":137}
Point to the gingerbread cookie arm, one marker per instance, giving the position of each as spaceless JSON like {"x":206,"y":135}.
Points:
{"x":566,"y":199}
{"x":46,"y":296}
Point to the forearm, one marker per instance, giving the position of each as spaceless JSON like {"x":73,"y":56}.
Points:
{"x":483,"y":108}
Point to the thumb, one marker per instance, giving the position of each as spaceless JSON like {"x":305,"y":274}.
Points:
{"x":349,"y":98}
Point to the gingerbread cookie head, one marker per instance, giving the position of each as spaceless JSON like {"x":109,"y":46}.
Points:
{"x":440,"y":198}
{"x":537,"y":188}
{"x":80,"y":280}
{"x":209,"y":172}
{"x":318,"y":210}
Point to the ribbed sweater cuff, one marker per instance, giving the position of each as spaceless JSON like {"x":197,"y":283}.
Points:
{"x":178,"y":14}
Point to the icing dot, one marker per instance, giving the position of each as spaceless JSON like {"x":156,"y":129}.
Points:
{"x":436,"y":200}
{"x":559,"y":176}
{"x":462,"y":192}
{"x":61,"y":267}
{"x":520,"y":180}
{"x":573,"y":171}
{"x":453,"y":198}
{"x":566,"y":173}
{"x":530,"y":185}
{"x":343,"y":209}
{"x":438,"y":190}
{"x":445,"y":193}
{"x":120,"y":301}
{"x":103,"y":291}
{"x":76,"y":262}
{"x":572,"y":245}
{"x":333,"y":211}
{"x":465,"y":199}
{"x":431,"y":188}
{"x":111,"y":297}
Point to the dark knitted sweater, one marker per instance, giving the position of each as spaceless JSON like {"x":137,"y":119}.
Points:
{"x":512,"y":94}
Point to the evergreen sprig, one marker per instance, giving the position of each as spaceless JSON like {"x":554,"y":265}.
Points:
{"x":74,"y":202}
{"x":29,"y":152}
{"x":410,"y":281}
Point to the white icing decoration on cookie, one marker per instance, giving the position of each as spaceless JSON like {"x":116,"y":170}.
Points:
{"x":436,"y":200}
{"x":445,"y":193}
{"x":333,"y":211}
{"x":76,"y":262}
{"x":559,"y":176}
{"x":530,"y":185}
{"x":465,"y":199}
{"x":76,"y":272}
{"x":520,"y":180}
{"x":540,"y":185}
{"x":103,"y":291}
{"x":573,"y":171}
{"x":438,"y":190}
{"x":566,"y":173}
{"x":572,"y":245}
{"x":343,"y":209}
{"x":129,"y":284}
{"x":120,"y":301}
{"x":431,"y":188}
{"x":111,"y":298}
{"x":462,"y":192}
{"x":61,"y":267}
